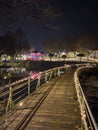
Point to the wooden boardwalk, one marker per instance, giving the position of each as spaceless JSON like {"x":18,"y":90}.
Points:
{"x":60,"y":109}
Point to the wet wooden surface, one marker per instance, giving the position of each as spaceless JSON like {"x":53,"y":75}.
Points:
{"x":59,"y":111}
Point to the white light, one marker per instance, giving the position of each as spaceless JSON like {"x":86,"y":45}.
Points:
{"x":21,"y":103}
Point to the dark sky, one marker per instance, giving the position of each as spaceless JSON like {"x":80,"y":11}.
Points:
{"x":78,"y":17}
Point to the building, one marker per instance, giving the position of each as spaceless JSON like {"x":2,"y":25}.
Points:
{"x":35,"y":55}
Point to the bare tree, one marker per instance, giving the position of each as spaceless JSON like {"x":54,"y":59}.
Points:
{"x":53,"y":45}
{"x":13,"y":43}
{"x":85,"y":44}
{"x":51,"y":56}
{"x":8,"y":43}
{"x":21,"y":41}
{"x":40,"y":10}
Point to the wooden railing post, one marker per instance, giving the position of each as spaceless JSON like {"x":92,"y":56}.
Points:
{"x":38,"y":83}
{"x":10,"y":101}
{"x":59,"y":72}
{"x":28,"y":85}
{"x":46,"y":77}
{"x":50,"y":75}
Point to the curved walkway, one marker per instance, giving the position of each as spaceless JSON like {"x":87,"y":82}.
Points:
{"x":59,"y":111}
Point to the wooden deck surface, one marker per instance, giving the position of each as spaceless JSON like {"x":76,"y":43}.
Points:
{"x":59,"y":111}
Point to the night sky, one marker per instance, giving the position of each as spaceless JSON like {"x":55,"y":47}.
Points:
{"x":77,"y":17}
{"x":80,"y":17}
